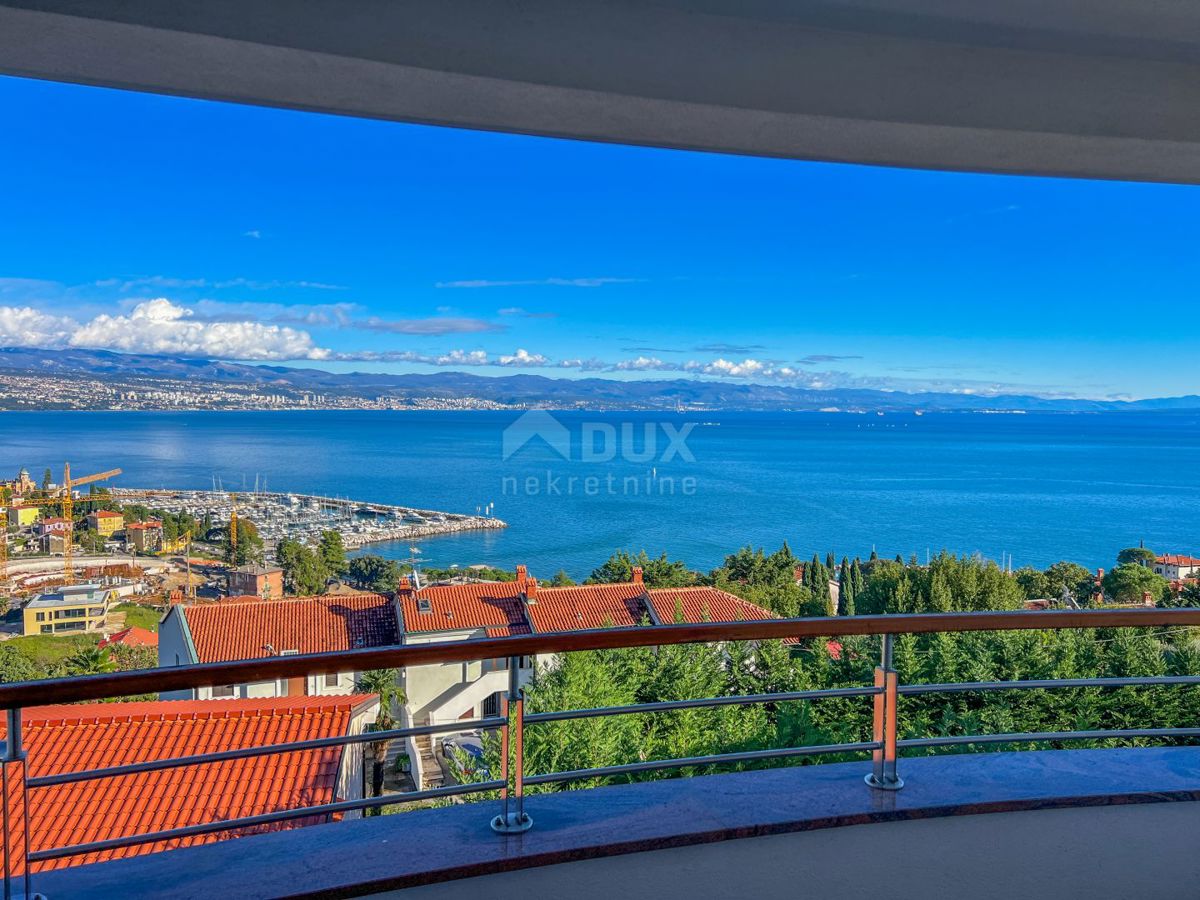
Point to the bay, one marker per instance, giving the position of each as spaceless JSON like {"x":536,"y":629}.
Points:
{"x":1041,"y":487}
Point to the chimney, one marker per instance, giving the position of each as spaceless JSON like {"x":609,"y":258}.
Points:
{"x":530,"y":590}
{"x":411,"y":578}
{"x":1099,"y":575}
{"x":176,"y":597}
{"x":637,"y":574}
{"x":1147,"y":598}
{"x":522,"y":576}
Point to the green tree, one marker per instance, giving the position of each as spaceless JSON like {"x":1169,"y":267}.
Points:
{"x":1077,"y":580}
{"x":845,"y":589}
{"x":16,"y":666}
{"x":374,"y":573}
{"x":561,"y":579}
{"x":90,"y":661}
{"x":382,"y":683}
{"x":1139,"y":555}
{"x":332,"y":552}
{"x":304,"y":571}
{"x":658,"y":572}
{"x":47,"y":480}
{"x":1033,"y":582}
{"x":1128,"y":582}
{"x":249,"y":544}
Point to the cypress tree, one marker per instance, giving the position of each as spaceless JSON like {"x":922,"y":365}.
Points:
{"x":856,"y":576}
{"x":830,"y":564}
{"x":845,"y":589}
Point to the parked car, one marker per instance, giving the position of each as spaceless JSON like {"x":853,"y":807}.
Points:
{"x":464,"y":752}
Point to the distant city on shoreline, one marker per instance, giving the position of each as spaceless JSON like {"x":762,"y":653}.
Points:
{"x":33,"y":379}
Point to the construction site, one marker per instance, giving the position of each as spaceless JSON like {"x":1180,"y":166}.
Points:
{"x":158,"y":543}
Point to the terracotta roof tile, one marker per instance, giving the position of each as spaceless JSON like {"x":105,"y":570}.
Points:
{"x":1177,"y":559}
{"x":62,"y":739}
{"x":587,"y":606}
{"x":133,"y":636}
{"x":704,"y":604}
{"x":243,"y":630}
{"x":494,"y":605}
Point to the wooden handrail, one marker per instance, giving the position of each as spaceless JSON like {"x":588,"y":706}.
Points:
{"x":96,"y":687}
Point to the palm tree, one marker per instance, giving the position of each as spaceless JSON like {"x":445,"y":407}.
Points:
{"x":383,"y":683}
{"x":90,"y":661}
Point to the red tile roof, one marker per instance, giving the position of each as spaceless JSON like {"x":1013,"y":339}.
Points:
{"x":133,"y":636}
{"x":106,"y":514}
{"x":704,"y":604}
{"x":587,"y":606}
{"x":1177,"y":559}
{"x":494,"y":605}
{"x":242,"y":630}
{"x":148,"y":525}
{"x":62,"y":739}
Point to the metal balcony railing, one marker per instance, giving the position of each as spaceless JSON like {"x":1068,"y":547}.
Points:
{"x":512,"y":817}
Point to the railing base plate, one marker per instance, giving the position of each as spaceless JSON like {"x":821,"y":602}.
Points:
{"x":883,"y":785}
{"x":513,"y":823}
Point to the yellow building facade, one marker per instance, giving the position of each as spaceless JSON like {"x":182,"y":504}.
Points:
{"x":105,"y":523}
{"x":82,"y":607}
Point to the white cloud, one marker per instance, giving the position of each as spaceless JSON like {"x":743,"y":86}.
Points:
{"x":252,"y":233}
{"x":524,"y":358}
{"x":24,"y":326}
{"x":462,"y":358}
{"x":160,"y":326}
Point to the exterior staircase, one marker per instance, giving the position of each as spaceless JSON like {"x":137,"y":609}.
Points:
{"x":431,"y":769}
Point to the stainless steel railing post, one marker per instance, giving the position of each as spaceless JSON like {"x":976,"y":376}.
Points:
{"x":883,"y":770}
{"x":512,"y":749}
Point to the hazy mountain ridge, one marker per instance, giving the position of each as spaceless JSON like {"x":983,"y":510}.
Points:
{"x":537,"y":389}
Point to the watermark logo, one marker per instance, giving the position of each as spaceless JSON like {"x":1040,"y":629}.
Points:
{"x":646,"y":444}
{"x":537,"y":423}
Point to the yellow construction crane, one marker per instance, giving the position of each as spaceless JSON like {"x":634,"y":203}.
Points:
{"x":62,"y":496}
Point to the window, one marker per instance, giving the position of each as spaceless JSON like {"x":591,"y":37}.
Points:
{"x":47,"y":629}
{"x":41,"y":617}
{"x":333,"y":679}
{"x":423,"y":605}
{"x":225,"y":690}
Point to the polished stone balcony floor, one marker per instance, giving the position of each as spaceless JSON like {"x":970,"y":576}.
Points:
{"x":439,"y":845}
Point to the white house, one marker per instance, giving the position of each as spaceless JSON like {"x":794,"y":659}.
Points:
{"x":1175,"y":566}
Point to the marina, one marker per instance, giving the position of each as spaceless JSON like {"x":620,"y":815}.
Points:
{"x":302,"y":517}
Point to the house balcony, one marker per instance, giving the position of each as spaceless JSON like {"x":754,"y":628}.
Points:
{"x":879,"y":819}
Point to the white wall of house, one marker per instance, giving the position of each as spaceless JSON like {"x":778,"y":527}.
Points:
{"x":350,"y":772}
{"x":446,"y":692}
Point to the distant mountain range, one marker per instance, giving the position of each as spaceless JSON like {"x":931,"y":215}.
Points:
{"x":534,"y":390}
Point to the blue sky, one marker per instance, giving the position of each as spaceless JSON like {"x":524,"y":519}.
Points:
{"x":143,"y":223}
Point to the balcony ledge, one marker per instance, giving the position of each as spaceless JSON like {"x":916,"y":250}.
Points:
{"x":431,"y":846}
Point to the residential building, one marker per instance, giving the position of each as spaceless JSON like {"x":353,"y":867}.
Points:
{"x":60,"y":739}
{"x":251,"y":628}
{"x":443,"y":693}
{"x":258,"y":581}
{"x":22,"y":516}
{"x":144,"y":537}
{"x":105,"y":522}
{"x":1176,"y":566}
{"x":54,"y":543}
{"x":53,"y":525}
{"x":71,"y":609}
{"x":133,"y":636}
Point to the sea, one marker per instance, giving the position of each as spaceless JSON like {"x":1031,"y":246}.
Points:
{"x":573,"y":487}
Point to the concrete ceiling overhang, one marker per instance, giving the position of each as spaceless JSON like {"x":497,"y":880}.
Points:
{"x":1084,"y":88}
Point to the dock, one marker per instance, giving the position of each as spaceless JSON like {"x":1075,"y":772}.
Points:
{"x":302,"y":517}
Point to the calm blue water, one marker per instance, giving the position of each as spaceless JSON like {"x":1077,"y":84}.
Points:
{"x":1042,"y":487}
